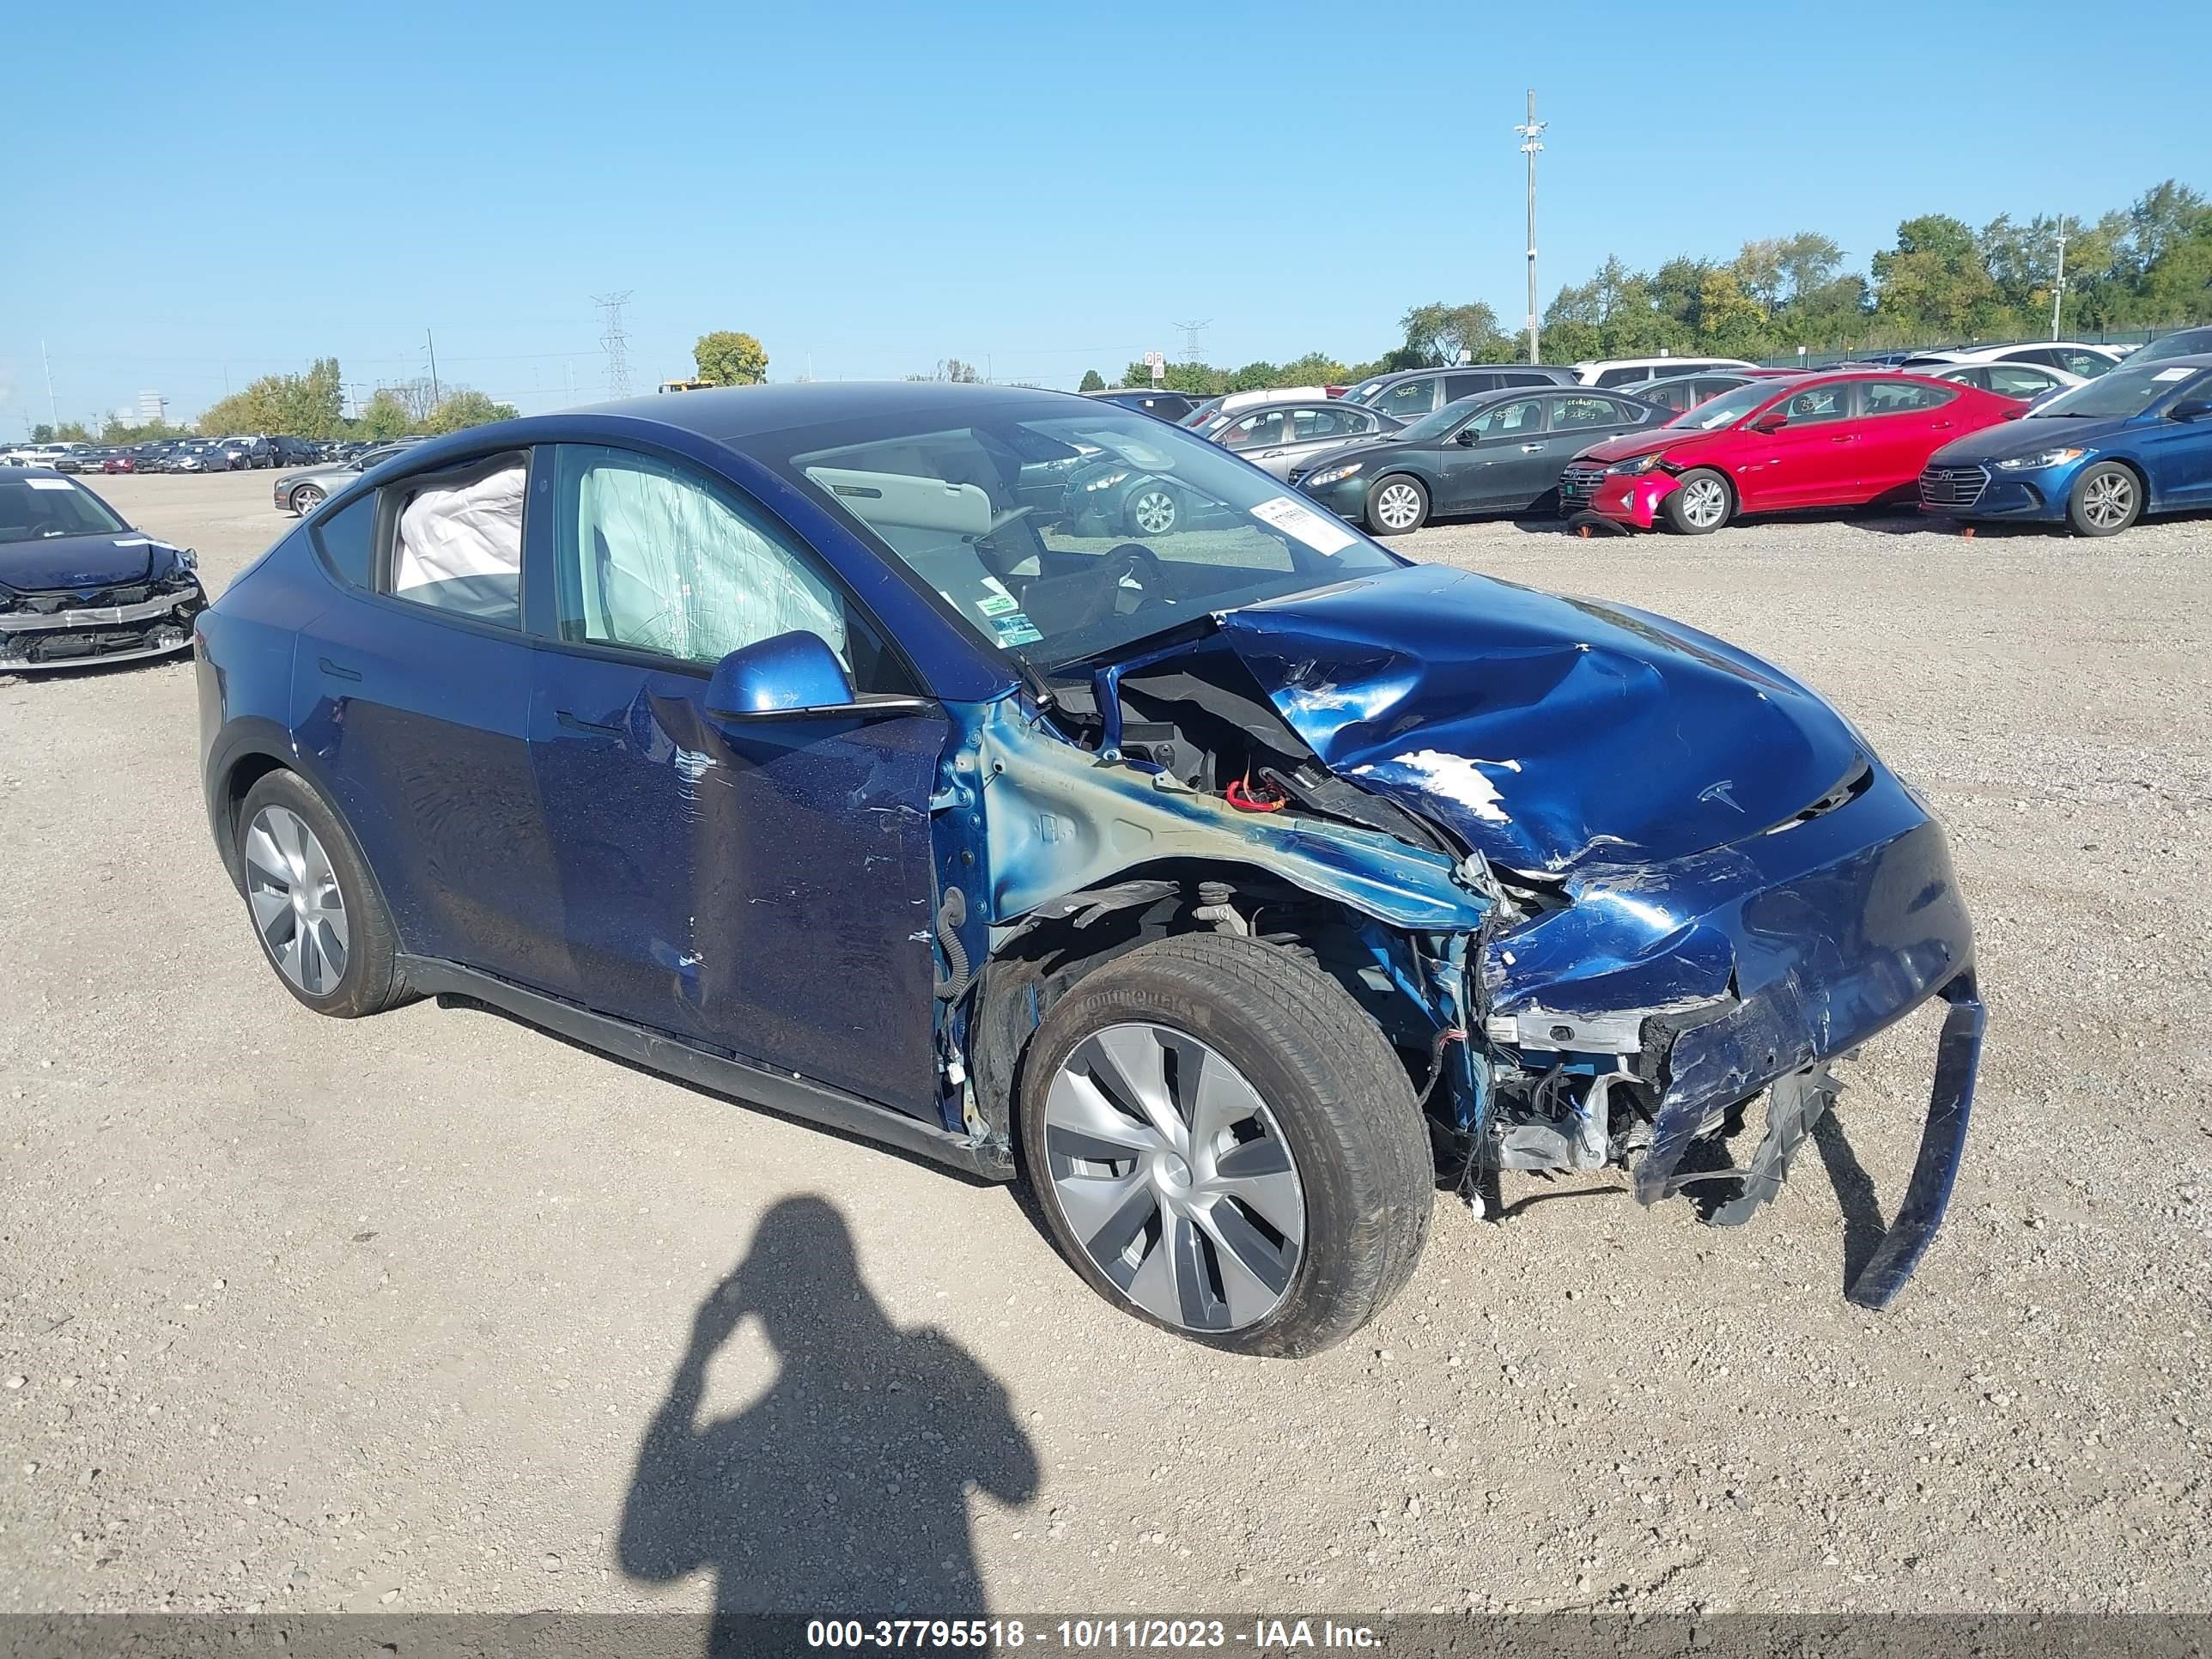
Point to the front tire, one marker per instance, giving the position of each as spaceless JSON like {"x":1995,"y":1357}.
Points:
{"x":305,"y":499}
{"x":1153,"y":511}
{"x":2105,"y":501}
{"x":320,"y":919}
{"x":1224,"y":1145}
{"x":1701,"y":504}
{"x":1397,"y":505}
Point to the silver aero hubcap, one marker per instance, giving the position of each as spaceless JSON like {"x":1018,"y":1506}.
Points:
{"x":297,"y":907}
{"x":1398,"y":506}
{"x":1703,"y":501}
{"x":1176,"y":1177}
{"x":2107,"y":499}
{"x":1155,"y":510}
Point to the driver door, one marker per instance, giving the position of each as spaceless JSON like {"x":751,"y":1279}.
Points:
{"x":1497,"y":459}
{"x":760,"y":887}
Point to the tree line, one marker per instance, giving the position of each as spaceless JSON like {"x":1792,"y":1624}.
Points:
{"x":2145,"y":266}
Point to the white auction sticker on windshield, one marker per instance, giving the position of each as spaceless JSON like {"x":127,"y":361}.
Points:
{"x":2173,"y":374}
{"x":50,"y":483}
{"x":1308,"y":526}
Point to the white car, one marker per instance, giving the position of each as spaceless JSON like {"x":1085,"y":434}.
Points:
{"x":1626,"y":371}
{"x":2027,"y":382}
{"x":2086,"y":361}
{"x":38,"y":454}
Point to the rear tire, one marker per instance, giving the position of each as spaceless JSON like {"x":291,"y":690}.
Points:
{"x":2105,"y":501}
{"x":1288,"y":1195}
{"x":1701,"y":504}
{"x":1397,"y":505}
{"x":320,"y":919}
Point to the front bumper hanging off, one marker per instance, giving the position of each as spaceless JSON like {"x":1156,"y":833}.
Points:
{"x":1797,"y":1102}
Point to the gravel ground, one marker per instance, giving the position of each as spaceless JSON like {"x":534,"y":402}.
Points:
{"x":304,"y":1315}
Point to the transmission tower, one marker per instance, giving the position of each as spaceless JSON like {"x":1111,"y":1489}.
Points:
{"x":614,"y":341}
{"x":1193,"y":340}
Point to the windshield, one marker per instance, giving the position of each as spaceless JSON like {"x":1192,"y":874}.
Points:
{"x":1726,"y":410}
{"x":38,"y":509}
{"x":2186,"y":343}
{"x":2116,"y":396}
{"x":1430,"y":428}
{"x":1058,"y":534}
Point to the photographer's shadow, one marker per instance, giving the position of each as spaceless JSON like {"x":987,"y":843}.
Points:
{"x":843,"y":1489}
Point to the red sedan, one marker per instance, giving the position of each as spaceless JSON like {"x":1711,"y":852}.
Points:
{"x":1840,"y":440}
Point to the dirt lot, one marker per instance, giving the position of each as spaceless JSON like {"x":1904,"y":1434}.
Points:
{"x":299,"y":1314}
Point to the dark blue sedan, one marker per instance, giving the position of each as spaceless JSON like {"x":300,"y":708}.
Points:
{"x":2136,"y":440}
{"x":1229,"y":878}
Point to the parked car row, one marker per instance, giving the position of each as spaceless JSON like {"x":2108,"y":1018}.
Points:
{"x":234,"y":455}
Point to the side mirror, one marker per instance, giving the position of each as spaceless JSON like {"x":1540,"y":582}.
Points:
{"x":1466,"y":437}
{"x":2191,"y":408}
{"x":1772,"y":421}
{"x":793,"y":675}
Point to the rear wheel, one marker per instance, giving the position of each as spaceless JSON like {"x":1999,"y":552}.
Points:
{"x":2105,"y":501}
{"x":1224,"y":1145}
{"x":321,"y":921}
{"x":1396,"y":505}
{"x":1700,"y":504}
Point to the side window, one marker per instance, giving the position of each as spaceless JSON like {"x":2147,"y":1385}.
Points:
{"x":1904,"y":397}
{"x":1241,"y":434}
{"x":1818,"y":404}
{"x":1626,"y":376}
{"x":1521,"y":418}
{"x":2014,"y":379}
{"x":651,"y":557}
{"x":1409,"y":398}
{"x":1457,"y":386}
{"x":1268,"y":428}
{"x":1310,"y":425}
{"x":1568,"y":413}
{"x":347,"y":539}
{"x":458,"y":546}
{"x":2088,"y":364}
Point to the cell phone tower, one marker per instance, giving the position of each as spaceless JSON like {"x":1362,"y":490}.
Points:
{"x":614,"y":341}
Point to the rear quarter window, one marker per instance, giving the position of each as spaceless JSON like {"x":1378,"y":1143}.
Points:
{"x":347,"y":540}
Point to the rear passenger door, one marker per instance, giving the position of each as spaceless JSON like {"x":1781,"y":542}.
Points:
{"x":1901,"y":423}
{"x":412,"y":692}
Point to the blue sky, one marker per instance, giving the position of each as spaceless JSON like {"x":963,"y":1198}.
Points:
{"x":199,"y":197}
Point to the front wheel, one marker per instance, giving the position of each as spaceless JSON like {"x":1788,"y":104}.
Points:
{"x":1700,"y":504}
{"x":1224,"y":1145}
{"x":2105,"y":501}
{"x":1153,"y":511}
{"x":304,"y":498}
{"x":1396,"y":505}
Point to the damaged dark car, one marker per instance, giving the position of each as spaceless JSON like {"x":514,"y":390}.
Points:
{"x":78,"y":584}
{"x":1234,"y":881}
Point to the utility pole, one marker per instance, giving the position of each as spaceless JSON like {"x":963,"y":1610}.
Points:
{"x":615,"y":341}
{"x":1531,"y":134}
{"x":2058,"y":287}
{"x":430,"y":341}
{"x":53,"y":410}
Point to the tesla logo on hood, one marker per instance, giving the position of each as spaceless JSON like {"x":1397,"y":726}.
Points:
{"x":1719,"y":792}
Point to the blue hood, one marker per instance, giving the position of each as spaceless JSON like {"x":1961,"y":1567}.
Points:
{"x":1545,"y":733}
{"x":2028,"y":435}
{"x":108,"y":560}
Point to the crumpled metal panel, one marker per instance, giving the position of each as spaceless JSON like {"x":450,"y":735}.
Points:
{"x":1546,"y":733}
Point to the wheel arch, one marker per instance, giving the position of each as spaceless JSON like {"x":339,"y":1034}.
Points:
{"x":232,"y":777}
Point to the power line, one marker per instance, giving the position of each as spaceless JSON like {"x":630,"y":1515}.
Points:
{"x":1531,"y":147}
{"x":615,"y":343}
{"x":1193,"y":343}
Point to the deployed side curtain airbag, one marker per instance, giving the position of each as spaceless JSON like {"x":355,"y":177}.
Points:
{"x":469,"y":534}
{"x":667,"y":568}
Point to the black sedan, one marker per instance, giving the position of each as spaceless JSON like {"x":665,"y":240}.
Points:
{"x":1496,"y":451}
{"x":78,"y":584}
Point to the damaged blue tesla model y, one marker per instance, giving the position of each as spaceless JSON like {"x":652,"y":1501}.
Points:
{"x":1020,"y":782}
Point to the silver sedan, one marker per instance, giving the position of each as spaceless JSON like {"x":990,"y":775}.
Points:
{"x":1278,"y":437}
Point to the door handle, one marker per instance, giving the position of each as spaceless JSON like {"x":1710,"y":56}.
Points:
{"x":1939,"y":426}
{"x":1271,"y":454}
{"x":569,"y":722}
{"x":336,"y":671}
{"x":1530,"y":449}
{"x":1845,"y":438}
